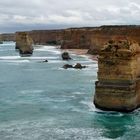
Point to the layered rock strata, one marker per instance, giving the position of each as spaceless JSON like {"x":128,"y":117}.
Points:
{"x":118,"y":85}
{"x":46,"y":37}
{"x":92,"y":38}
{"x":7,"y":37}
{"x":76,"y":39}
{"x":24,"y":44}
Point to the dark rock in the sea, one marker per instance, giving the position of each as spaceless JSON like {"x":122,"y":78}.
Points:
{"x":79,"y":66}
{"x":66,"y":56}
{"x":66,"y":66}
{"x":1,"y":42}
{"x":45,"y":60}
{"x":24,"y":44}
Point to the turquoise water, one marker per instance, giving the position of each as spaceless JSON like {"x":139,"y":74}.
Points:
{"x":42,"y":101}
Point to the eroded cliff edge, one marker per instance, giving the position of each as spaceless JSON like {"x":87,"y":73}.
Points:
{"x":91,"y":38}
{"x":8,"y":37}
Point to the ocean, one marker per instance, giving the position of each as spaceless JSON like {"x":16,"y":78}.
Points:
{"x":43,"y":101}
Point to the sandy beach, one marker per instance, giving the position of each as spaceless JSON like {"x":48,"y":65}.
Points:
{"x":82,"y":52}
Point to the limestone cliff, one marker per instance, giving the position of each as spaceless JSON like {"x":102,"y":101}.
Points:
{"x":7,"y":37}
{"x":67,"y":38}
{"x":101,"y":35}
{"x":118,"y":85}
{"x":46,"y":37}
{"x":76,"y":39}
{"x":24,"y":44}
{"x":92,"y":38}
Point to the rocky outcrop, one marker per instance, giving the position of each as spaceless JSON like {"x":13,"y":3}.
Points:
{"x":77,"y":66}
{"x":66,"y":66}
{"x":118,"y":85}
{"x":24,"y":44}
{"x":66,"y":56}
{"x":45,"y":60}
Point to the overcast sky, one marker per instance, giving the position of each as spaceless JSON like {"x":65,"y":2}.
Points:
{"x":18,"y":15}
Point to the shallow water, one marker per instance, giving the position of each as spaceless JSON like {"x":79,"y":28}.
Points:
{"x":42,"y":101}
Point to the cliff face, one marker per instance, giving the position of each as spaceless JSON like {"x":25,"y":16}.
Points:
{"x":118,"y":85}
{"x":76,"y":39}
{"x":102,"y":34}
{"x":24,"y":44}
{"x":67,"y":38}
{"x":42,"y":37}
{"x":85,"y":38}
{"x":7,"y":37}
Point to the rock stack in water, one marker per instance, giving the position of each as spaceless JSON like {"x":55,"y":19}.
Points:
{"x":66,"y":56}
{"x":118,"y":85}
{"x":24,"y":44}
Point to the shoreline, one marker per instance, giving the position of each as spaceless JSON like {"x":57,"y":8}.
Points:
{"x":81,"y":52}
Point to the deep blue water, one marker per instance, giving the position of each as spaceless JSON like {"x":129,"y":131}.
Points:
{"x":42,"y":101}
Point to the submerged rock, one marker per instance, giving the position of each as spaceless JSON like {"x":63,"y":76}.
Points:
{"x":77,"y":66}
{"x":24,"y":44}
{"x":45,"y":60}
{"x":66,"y":56}
{"x":66,"y":66}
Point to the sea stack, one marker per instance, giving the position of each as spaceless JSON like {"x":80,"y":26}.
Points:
{"x":118,"y":85}
{"x":24,"y":43}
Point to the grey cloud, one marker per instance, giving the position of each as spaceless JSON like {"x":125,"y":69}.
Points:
{"x":43,"y":14}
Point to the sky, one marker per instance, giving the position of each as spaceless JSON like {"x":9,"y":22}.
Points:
{"x":19,"y":15}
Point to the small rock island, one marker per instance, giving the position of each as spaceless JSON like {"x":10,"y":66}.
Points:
{"x":24,"y":44}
